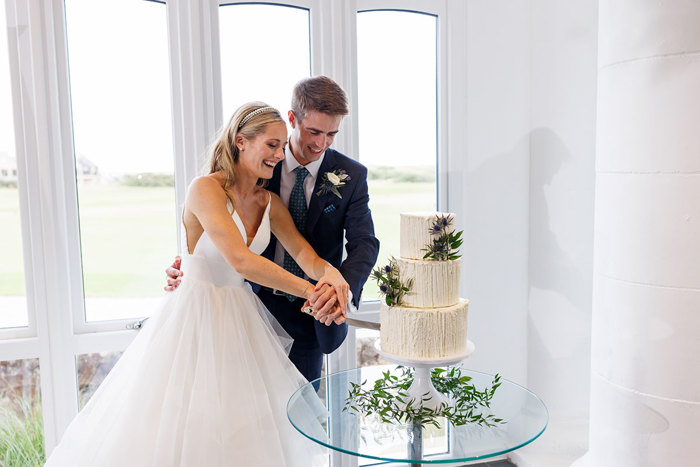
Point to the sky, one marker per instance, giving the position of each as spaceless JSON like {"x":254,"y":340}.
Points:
{"x":120,"y":85}
{"x":6,"y":126}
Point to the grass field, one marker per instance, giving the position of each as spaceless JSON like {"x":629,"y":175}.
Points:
{"x":127,"y":238}
{"x":128,"y":234}
{"x":387,"y":200}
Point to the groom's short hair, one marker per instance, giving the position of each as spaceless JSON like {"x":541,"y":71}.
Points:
{"x":321,"y":94}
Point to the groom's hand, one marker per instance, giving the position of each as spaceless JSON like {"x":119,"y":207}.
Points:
{"x":173,"y":272}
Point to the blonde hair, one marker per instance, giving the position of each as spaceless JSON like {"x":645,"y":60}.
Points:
{"x":248,"y":121}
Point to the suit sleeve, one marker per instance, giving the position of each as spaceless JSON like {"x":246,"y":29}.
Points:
{"x":362,"y":246}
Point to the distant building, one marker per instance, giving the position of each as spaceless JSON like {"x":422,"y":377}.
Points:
{"x":86,"y":170}
{"x":8,"y":168}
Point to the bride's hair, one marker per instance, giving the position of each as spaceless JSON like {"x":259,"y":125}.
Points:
{"x":248,"y":121}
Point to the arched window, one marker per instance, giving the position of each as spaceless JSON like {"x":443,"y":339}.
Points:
{"x":13,"y":302}
{"x":398,"y":134}
{"x":397,"y":93}
{"x":265,"y":50}
{"x":122,"y":132}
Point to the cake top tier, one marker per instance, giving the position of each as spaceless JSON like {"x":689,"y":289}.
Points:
{"x":418,"y":230}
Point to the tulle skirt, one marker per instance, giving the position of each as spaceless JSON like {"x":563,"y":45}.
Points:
{"x":205,"y":383}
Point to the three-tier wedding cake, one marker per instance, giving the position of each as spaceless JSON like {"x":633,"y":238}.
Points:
{"x":430,"y":320}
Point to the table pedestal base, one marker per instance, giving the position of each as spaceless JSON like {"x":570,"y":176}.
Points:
{"x":415,"y":442}
{"x":422,"y":391}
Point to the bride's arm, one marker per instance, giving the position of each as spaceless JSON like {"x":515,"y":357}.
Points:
{"x":206,"y":200}
{"x":295,"y":244}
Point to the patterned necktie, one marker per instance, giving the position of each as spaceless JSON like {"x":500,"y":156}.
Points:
{"x":297,"y":208}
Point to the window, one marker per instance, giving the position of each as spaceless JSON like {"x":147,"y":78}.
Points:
{"x":92,"y":370}
{"x":397,"y":97}
{"x":120,"y":98}
{"x":22,"y":436}
{"x":13,"y":304}
{"x":397,"y":75}
{"x":120,"y":114}
{"x":265,"y":50}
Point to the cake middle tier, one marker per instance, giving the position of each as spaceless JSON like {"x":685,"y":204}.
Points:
{"x":435,"y":283}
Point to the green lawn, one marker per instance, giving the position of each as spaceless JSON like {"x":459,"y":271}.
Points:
{"x":11,"y":264}
{"x":128,"y":238}
{"x":128,"y":234}
{"x":387,"y":200}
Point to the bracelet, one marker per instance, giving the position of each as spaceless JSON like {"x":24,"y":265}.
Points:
{"x":310,"y":285}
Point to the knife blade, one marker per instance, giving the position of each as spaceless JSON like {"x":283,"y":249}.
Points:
{"x":358,"y":323}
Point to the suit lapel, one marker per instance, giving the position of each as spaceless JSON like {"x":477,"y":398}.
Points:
{"x":319,"y":201}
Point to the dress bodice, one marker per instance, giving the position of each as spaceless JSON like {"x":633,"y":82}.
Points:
{"x":207,"y":264}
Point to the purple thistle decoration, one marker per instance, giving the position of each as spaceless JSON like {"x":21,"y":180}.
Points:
{"x":390,"y":284}
{"x":444,"y":243}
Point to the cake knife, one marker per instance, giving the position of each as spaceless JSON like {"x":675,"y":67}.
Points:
{"x":358,"y":323}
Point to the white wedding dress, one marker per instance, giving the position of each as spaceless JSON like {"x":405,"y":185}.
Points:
{"x":205,"y":383}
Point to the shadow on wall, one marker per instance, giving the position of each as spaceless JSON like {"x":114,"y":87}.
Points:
{"x":494,"y":262}
{"x":559,"y":301}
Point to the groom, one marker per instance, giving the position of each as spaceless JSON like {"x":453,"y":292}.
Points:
{"x":334,"y":189}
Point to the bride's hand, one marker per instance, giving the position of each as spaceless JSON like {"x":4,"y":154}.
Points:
{"x":333,"y":278}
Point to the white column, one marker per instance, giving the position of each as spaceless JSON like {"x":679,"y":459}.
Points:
{"x":645,"y":381}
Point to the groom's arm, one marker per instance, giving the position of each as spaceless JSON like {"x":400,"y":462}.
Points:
{"x":362,"y":246}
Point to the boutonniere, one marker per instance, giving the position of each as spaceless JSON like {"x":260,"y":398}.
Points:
{"x":332,"y":182}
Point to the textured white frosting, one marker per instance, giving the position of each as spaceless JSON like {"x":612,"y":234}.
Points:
{"x":424,"y":333}
{"x":435,"y":283}
{"x":415,"y":232}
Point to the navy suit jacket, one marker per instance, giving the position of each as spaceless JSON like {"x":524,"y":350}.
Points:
{"x":329,"y":220}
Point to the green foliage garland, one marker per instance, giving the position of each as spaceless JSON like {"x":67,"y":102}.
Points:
{"x":388,"y":399}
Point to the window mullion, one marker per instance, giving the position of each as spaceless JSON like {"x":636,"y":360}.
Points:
{"x":453,"y":159}
{"x":44,"y":141}
{"x":334,"y":54}
{"x":195,"y":73}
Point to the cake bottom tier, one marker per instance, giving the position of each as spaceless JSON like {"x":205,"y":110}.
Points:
{"x":424,"y":333}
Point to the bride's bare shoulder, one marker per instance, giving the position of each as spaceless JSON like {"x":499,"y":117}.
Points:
{"x":206,"y":185}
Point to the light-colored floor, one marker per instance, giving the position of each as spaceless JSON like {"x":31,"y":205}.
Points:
{"x":564,"y":441}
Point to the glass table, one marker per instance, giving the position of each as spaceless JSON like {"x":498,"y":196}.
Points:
{"x":367,"y":437}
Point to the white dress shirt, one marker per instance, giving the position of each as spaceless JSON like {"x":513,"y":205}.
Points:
{"x":287,"y":180}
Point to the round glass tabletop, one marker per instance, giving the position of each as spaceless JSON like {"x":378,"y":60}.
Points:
{"x":525,"y":415}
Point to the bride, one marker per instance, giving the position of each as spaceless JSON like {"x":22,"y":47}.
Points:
{"x":207,"y":379}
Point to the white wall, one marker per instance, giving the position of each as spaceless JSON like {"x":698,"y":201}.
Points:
{"x":490,"y":185}
{"x":562,"y":184}
{"x":526,"y":203}
{"x":562,"y":180}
